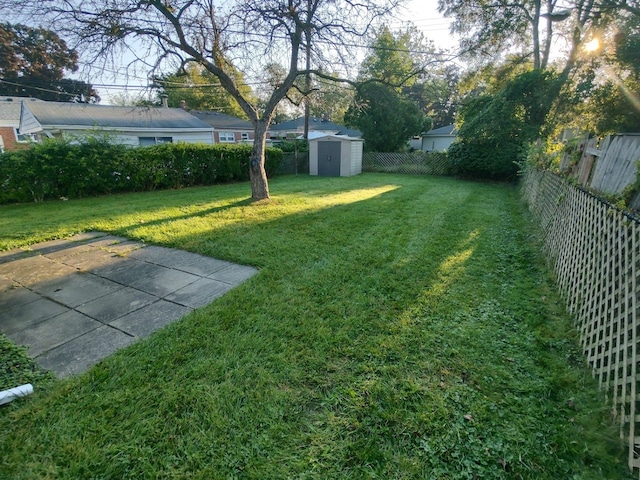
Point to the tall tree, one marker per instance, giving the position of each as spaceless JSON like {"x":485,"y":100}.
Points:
{"x":387,"y":116}
{"x":527,"y":27}
{"x":496,"y":127}
{"x":605,"y":94}
{"x":330,"y":99}
{"x":33,"y":62}
{"x":436,"y":93}
{"x":243,"y":33}
{"x":201,"y":90}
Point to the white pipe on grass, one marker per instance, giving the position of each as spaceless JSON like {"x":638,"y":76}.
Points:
{"x":7,"y":396}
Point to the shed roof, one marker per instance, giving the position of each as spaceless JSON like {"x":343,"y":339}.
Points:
{"x":328,"y":136}
{"x":58,"y":114}
{"x":221,"y":121}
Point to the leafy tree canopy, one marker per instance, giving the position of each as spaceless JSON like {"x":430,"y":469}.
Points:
{"x":201,"y":90}
{"x":604,"y":96}
{"x":496,"y":128}
{"x":387,"y":116}
{"x":34,"y":61}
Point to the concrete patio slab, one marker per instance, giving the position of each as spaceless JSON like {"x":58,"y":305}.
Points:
{"x":29,"y":315}
{"x":76,"y":290}
{"x":74,"y":301}
{"x":181,"y":260}
{"x":16,"y":296}
{"x":55,"y":331}
{"x":200,"y":293}
{"x":233,"y":274}
{"x":83,"y":352}
{"x":164,"y":281}
{"x":147,"y":320}
{"x":114,"y":305}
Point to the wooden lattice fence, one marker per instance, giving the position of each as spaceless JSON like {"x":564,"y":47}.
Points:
{"x":432,"y":163}
{"x":594,"y":249}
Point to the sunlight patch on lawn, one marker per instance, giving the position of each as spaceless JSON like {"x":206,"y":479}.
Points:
{"x":172,"y":228}
{"x":448,"y":272}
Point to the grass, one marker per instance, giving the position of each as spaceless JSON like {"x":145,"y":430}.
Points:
{"x":400,"y":327}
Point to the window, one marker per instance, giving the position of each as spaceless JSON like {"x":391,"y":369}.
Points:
{"x":24,"y":138}
{"x":227,"y":137}
{"x":146,"y":141}
{"x":245,"y":136}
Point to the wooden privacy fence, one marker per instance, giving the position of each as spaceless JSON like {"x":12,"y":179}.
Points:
{"x":608,"y":165}
{"x":433,"y":163}
{"x":594,"y":249}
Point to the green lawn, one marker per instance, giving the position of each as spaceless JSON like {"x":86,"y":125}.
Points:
{"x":400,"y":328}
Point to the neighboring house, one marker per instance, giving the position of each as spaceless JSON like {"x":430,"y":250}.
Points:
{"x":10,"y":138}
{"x":439,"y":139}
{"x":295,"y":128}
{"x":127,"y":125}
{"x":226,"y":128}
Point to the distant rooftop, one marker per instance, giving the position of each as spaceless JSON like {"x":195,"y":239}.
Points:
{"x":10,"y":109}
{"x":447,"y":130}
{"x":109,"y":116}
{"x":221,"y":121}
{"x":315,"y":124}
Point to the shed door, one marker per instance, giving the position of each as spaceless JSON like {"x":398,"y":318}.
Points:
{"x":329,"y":159}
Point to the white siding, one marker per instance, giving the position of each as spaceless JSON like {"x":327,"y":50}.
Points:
{"x":356,"y":158}
{"x":132,"y":138}
{"x":437,"y":143}
{"x":313,"y":158}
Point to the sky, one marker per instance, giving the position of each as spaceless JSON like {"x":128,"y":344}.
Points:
{"x":424,"y":15}
{"x":421,"y":13}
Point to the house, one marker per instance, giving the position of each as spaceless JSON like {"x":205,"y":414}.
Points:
{"x":295,"y":128}
{"x":10,"y":138}
{"x":127,"y":125}
{"x":439,"y":139}
{"x":226,"y":128}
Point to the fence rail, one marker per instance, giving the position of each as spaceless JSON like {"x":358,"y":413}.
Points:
{"x":433,"y":163}
{"x":594,"y":249}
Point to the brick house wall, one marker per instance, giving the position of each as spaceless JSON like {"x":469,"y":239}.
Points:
{"x":237,"y":136}
{"x":8,"y":135}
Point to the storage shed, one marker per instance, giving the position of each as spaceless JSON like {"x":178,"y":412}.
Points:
{"x":335,"y":156}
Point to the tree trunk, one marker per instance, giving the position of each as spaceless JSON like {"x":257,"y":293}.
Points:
{"x":257,"y":173}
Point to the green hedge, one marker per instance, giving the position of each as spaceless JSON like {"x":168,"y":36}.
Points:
{"x":95,"y":166}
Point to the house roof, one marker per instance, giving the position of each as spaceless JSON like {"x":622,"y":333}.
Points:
{"x":10,"y":110}
{"x":65,"y":114}
{"x":222,"y":121}
{"x":315,"y":124}
{"x":447,"y":130}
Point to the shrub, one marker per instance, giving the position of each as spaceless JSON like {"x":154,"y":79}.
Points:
{"x":484,"y":158}
{"x":95,"y":166}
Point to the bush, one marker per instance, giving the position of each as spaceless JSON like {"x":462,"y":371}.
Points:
{"x":96,"y":166}
{"x":497,"y":128}
{"x":485,"y":159}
